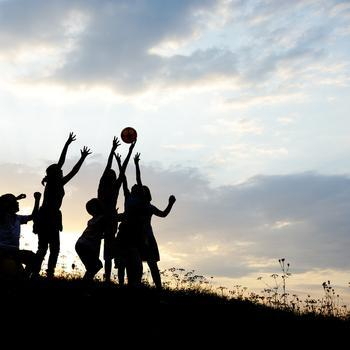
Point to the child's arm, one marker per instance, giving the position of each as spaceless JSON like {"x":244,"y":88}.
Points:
{"x":166,"y":211}
{"x":25,"y":218}
{"x":126,"y":161}
{"x":84,"y":153}
{"x":122,"y":175}
{"x":62,"y":159}
{"x":137,"y":166}
{"x":115,"y":144}
{"x":37,"y":196}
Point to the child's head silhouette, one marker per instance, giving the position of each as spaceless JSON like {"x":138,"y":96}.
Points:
{"x":110,"y":176}
{"x":9,"y":203}
{"x":147,"y":194}
{"x":53,"y":172}
{"x":93,"y":207}
{"x":136,"y":190}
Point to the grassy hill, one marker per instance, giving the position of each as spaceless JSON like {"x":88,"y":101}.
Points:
{"x":66,"y":291}
{"x":71,"y":312}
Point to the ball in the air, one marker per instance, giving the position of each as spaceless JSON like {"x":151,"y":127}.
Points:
{"x":128,"y":135}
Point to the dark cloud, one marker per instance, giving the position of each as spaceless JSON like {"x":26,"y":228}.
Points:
{"x":33,"y":22}
{"x":112,"y":47}
{"x":117,"y":41}
{"x":302,"y":217}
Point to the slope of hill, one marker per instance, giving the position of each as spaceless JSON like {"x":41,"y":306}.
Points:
{"x":192,"y":307}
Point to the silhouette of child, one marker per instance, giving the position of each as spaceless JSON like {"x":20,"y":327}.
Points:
{"x":127,"y":252}
{"x":137,"y":233}
{"x":149,"y":249}
{"x":108,"y":192}
{"x":10,"y":230}
{"x":48,"y":223}
{"x":88,"y":244}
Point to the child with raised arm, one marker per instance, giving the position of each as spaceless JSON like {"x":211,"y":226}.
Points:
{"x":108,"y":192}
{"x":149,"y":249}
{"x":10,"y":230}
{"x":49,"y":220}
{"x":136,"y":236}
{"x":127,"y":252}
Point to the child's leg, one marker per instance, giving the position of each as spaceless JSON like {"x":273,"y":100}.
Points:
{"x":43,"y":245}
{"x":92,"y":267}
{"x":107,"y":255}
{"x":54,"y":244}
{"x":155,"y":273}
{"x":108,"y":269}
{"x":133,"y":267}
{"x":121,"y":273}
{"x":27,"y":258}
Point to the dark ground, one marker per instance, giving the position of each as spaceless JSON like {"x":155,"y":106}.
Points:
{"x":94,"y":309}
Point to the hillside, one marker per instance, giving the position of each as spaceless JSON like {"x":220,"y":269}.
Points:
{"x":183,"y":309}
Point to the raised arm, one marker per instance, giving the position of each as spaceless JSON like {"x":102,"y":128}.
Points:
{"x":83,"y":154}
{"x":62,"y":159}
{"x":21,"y":196}
{"x":126,"y":161}
{"x":37,"y":196}
{"x":122,"y":176}
{"x":137,"y":166}
{"x":115,"y":144}
{"x":166,"y":211}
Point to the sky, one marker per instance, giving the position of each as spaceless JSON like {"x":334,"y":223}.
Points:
{"x":241,"y":113}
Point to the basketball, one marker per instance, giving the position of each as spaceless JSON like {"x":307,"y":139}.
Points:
{"x":128,"y":135}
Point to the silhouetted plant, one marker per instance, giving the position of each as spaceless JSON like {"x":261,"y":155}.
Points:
{"x":178,"y":278}
{"x":238,"y":292}
{"x":284,"y":276}
{"x":222,"y":289}
{"x":331,"y":302}
{"x":188,"y":283}
{"x":272,"y":295}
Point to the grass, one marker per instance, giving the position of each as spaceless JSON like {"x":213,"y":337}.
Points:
{"x":188,"y":301}
{"x":175,"y":312}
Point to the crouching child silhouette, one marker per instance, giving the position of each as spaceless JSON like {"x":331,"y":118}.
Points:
{"x":11,"y":257}
{"x":89,"y":243}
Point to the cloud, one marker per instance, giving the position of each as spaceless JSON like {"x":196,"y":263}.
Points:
{"x":267,"y":99}
{"x":302,"y":217}
{"x":33,"y":23}
{"x":227,"y":230}
{"x":287,"y":120}
{"x":190,"y":146}
{"x":118,"y":39}
{"x":104,"y":43}
{"x":244,"y":151}
{"x":239,"y":126}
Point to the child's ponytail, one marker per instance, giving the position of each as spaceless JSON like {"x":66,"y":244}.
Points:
{"x":44,"y":180}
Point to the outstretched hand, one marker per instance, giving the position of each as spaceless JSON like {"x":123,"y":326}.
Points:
{"x":118,"y":158}
{"x":137,"y":158}
{"x":21,"y":196}
{"x":172,"y":199}
{"x":37,"y":195}
{"x":116,"y":143}
{"x":71,"y":138}
{"x":85,"y":152}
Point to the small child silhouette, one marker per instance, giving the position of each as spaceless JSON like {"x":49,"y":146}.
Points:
{"x":10,"y":229}
{"x":89,"y":243}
